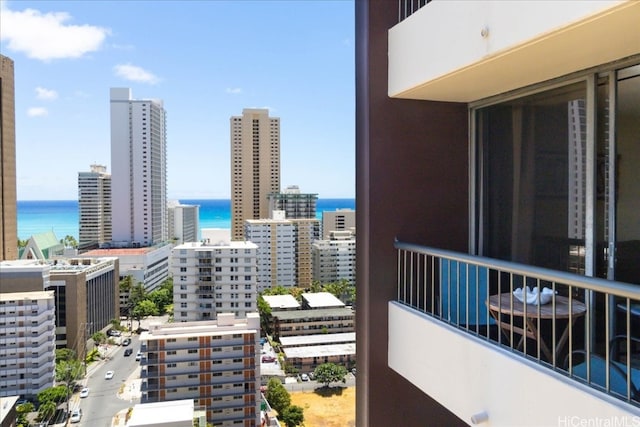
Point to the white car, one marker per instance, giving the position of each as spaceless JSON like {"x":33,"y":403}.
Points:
{"x":304,"y":377}
{"x":84,"y":392}
{"x":138,"y":355}
{"x":76,"y":415}
{"x":108,"y":375}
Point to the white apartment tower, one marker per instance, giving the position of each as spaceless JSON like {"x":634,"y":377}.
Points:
{"x":334,"y":259}
{"x":284,"y":250}
{"x":94,"y":206}
{"x":139,"y":169}
{"x":255,"y":166}
{"x":214,"y":362}
{"x":213,"y":278}
{"x":184,"y":222}
{"x":276,"y":255}
{"x":27,"y":343}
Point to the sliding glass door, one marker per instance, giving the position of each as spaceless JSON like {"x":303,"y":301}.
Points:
{"x":556,"y":178}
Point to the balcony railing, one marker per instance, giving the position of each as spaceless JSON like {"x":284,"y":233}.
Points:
{"x":407,"y":7}
{"x":588,"y":330}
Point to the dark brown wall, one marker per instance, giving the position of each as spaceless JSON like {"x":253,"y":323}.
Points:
{"x":411,"y":183}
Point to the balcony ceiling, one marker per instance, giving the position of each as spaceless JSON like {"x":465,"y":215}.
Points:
{"x":611,"y":35}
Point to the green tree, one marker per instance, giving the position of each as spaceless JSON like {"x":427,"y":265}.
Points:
{"x":315,"y":287}
{"x":144,"y":309}
{"x":22,"y":411}
{"x":292,"y":416}
{"x":328,"y":373}
{"x":276,"y":290}
{"x":161,"y":298}
{"x":54,"y":394}
{"x":65,"y":354}
{"x":277,"y":396}
{"x":46,"y":410}
{"x":342,"y":290}
{"x":265,"y":316}
{"x":22,"y":243}
{"x":99,"y":338}
{"x":69,"y":241}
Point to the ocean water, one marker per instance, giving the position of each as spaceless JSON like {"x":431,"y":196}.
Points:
{"x":61,"y":216}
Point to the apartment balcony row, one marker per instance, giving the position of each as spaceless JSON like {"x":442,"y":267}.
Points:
{"x":459,"y":320}
{"x":216,"y":355}
{"x":216,"y":384}
{"x":504,"y":45}
{"x":153,"y":371}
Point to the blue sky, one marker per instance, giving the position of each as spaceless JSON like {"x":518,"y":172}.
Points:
{"x":207,"y":60}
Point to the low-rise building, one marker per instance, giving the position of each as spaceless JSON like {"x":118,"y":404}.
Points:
{"x":215,"y":363}
{"x":281,"y":302}
{"x":146,"y":265}
{"x":27,"y":343}
{"x":315,"y":321}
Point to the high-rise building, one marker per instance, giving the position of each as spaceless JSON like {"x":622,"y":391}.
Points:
{"x":215,"y":363}
{"x":27,"y":337}
{"x":334,"y":259}
{"x":338,"y":220}
{"x":255,"y":166}
{"x":213,"y":278}
{"x":183,"y":222}
{"x":284,"y":250}
{"x":294,"y":203}
{"x":138,"y":170}
{"x":499,"y":156}
{"x":94,"y":206}
{"x":8,"y":215}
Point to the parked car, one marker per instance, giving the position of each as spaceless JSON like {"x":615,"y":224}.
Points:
{"x":76,"y":415}
{"x":128,"y":352}
{"x":109,"y":375}
{"x":126,"y":342}
{"x":304,"y":377}
{"x":84,"y":392}
{"x":114,"y":333}
{"x":138,"y":355}
{"x":268,"y":359}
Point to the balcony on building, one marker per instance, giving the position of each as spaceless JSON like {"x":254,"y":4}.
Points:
{"x":444,"y":339}
{"x":482,"y":51}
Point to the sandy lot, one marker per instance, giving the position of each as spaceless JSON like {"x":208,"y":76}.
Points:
{"x":322,"y":408}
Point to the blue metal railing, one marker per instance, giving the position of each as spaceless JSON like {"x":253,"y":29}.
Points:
{"x":582,"y":331}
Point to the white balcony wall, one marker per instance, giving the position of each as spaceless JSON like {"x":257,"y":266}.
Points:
{"x":469,"y":377}
{"x":463,"y":51}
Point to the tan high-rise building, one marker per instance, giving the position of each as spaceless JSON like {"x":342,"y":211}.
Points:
{"x":8,"y":216}
{"x":255,"y":166}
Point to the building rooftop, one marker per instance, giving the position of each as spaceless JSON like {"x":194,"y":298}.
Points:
{"x":35,"y":295}
{"x":169,"y":413}
{"x":281,"y":302}
{"x":320,"y":350}
{"x":322,"y":300}
{"x":307,"y":340}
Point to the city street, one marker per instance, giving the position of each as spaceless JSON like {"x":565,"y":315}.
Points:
{"x":99,"y":408}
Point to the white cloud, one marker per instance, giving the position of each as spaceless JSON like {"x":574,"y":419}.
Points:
{"x":48,"y":94}
{"x":135,"y":73}
{"x":234,"y":90}
{"x":47,"y":36}
{"x":37,"y":112}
